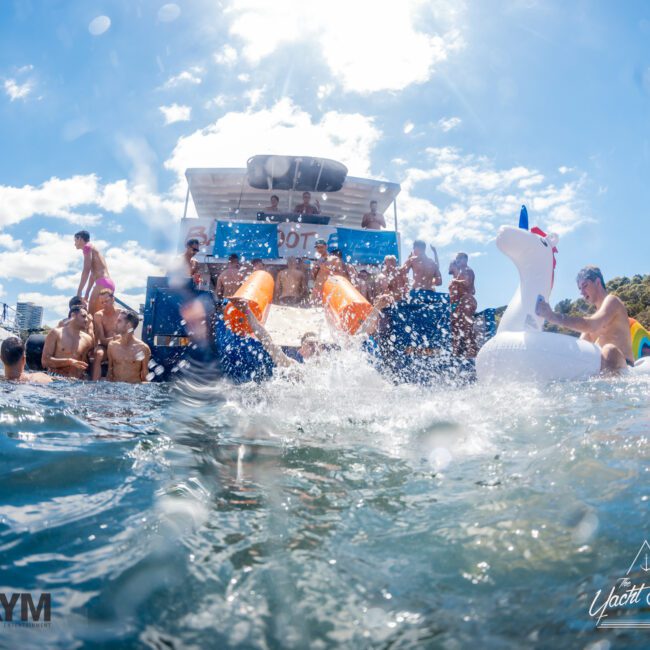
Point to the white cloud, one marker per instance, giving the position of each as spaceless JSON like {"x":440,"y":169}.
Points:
{"x":57,"y":303}
{"x":226,"y":56}
{"x":176,"y":113}
{"x":325,"y":90}
{"x":16,"y":91}
{"x":408,"y":127}
{"x":190,"y":76}
{"x":564,"y":169}
{"x":169,"y":12}
{"x":474,"y":198}
{"x":99,"y":25}
{"x":50,"y":255}
{"x":254,"y":96}
{"x":54,"y":198}
{"x":232,"y":139}
{"x":449,"y":123}
{"x":7,"y":241}
{"x":219,"y":102}
{"x":368,"y":46}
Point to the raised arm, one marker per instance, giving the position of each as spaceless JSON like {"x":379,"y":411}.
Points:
{"x":275,"y":352}
{"x":437,"y":278}
{"x":109,"y":355}
{"x":369,"y":325}
{"x":588,"y":325}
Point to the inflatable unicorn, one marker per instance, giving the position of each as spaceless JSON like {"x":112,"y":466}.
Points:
{"x":521,"y":350}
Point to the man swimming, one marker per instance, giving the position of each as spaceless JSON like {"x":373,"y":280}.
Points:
{"x":105,"y":321}
{"x":128,"y":357}
{"x":95,"y":275}
{"x":426,"y":271}
{"x":608,"y":327}
{"x":12,"y":353}
{"x":65,"y":351}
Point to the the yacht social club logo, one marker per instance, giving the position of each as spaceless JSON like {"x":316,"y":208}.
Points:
{"x":628,"y":601}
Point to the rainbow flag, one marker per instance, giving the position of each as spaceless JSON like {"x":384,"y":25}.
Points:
{"x":640,"y":338}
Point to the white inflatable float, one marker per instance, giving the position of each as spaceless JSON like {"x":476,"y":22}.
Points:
{"x":521,"y":350}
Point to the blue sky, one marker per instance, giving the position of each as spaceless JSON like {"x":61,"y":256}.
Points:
{"x":473,"y":107}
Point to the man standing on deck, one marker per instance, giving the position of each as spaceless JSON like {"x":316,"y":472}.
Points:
{"x":463,"y":307}
{"x":230,"y":279}
{"x":392,"y":279}
{"x":128,"y":357}
{"x":65,"y":351}
{"x":275,"y":204}
{"x":608,"y":327}
{"x":371,"y":220}
{"x":306,"y":207}
{"x":105,"y":321}
{"x":95,"y":275}
{"x":426,"y":271}
{"x":290,"y":288}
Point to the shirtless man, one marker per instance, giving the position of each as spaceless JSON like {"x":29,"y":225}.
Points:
{"x":608,"y":328}
{"x":392,"y":280}
{"x":230,"y":279}
{"x":333,"y":265}
{"x":275,"y":204}
{"x":362,"y":284}
{"x":371,"y":220}
{"x":12,"y":353}
{"x":66,"y":348}
{"x":95,"y":274}
{"x":258,"y":264}
{"x":105,"y":321}
{"x":306,"y":207}
{"x":426,"y":271}
{"x":290,"y":287}
{"x":463,"y":307}
{"x":73,"y":302}
{"x":128,"y":357}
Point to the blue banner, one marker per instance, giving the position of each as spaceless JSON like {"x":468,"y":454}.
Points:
{"x":248,"y":240}
{"x":366,"y":246}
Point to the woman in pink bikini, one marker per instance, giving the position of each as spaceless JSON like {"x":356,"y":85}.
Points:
{"x":94,"y":276}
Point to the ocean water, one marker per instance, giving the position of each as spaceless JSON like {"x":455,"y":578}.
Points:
{"x":329,"y":509}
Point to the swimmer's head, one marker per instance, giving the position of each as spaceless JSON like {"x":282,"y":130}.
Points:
{"x":234,"y":259}
{"x":12,"y":352}
{"x":78,"y":315}
{"x":309,"y":345}
{"x":127,"y":321}
{"x":419,"y":246}
{"x":258,"y":264}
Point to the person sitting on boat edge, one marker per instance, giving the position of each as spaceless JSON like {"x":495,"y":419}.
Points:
{"x":310,"y":346}
{"x":306,"y":207}
{"x":608,"y":327}
{"x":426,"y":271}
{"x":105,"y":321}
{"x":373,"y":220}
{"x":12,"y":353}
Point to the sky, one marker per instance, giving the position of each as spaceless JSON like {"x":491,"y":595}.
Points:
{"x":473,"y":107}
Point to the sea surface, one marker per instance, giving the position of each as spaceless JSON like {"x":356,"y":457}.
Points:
{"x":329,"y":509}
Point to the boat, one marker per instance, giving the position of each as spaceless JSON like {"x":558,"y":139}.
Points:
{"x":226,"y":209}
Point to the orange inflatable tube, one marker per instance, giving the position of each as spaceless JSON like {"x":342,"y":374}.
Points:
{"x":258,"y":290}
{"x":345,"y":304}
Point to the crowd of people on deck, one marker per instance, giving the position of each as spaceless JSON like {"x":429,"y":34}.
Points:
{"x":97,"y":338}
{"x":301,"y":281}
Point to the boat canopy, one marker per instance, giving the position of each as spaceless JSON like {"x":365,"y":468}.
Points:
{"x":229,"y":193}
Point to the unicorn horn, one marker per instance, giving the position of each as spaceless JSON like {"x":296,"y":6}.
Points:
{"x":523,"y":218}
